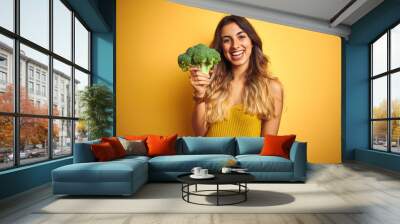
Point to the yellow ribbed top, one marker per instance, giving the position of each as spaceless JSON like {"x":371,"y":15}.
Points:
{"x":238,"y":123}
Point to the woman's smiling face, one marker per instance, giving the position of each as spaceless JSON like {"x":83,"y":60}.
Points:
{"x":236,"y":45}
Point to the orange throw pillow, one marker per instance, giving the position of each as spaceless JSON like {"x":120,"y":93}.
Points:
{"x":160,"y":145}
{"x":116,"y":145}
{"x":277,"y":145}
{"x":103,"y":152}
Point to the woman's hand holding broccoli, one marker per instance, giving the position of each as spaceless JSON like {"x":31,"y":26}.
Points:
{"x":200,"y":81}
{"x":199,"y":60}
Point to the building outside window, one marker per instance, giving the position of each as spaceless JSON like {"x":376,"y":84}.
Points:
{"x":3,"y":72}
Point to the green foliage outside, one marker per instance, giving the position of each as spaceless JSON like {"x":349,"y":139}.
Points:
{"x":97,"y":104}
{"x":380,"y":127}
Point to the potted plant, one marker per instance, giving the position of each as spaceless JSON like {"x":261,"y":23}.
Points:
{"x":96,"y":102}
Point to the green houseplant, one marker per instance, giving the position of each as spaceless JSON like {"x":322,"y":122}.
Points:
{"x":96,"y":102}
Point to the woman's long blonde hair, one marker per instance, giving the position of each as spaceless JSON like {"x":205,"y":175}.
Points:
{"x":257,"y":99}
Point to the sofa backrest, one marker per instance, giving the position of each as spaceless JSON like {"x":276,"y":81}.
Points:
{"x":249,"y":145}
{"x":191,"y":146}
{"x":83,"y":152}
{"x":205,"y":145}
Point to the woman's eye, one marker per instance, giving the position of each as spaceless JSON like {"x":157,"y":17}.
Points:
{"x":225,"y":41}
{"x":242,"y":37}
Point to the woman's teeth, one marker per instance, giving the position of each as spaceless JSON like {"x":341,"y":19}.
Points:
{"x":237,"y":55}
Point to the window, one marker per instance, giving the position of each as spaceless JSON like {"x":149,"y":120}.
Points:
{"x":81,"y":45}
{"x":7,"y":14}
{"x":3,"y":72}
{"x":62,"y":74}
{"x":30,"y":72}
{"x":30,"y":87}
{"x":47,"y":76}
{"x":34,"y":21}
{"x":44,"y":91}
{"x":385,"y":91}
{"x":43,"y":77}
{"x":37,"y":89}
{"x":81,"y":81}
{"x":37,"y":74}
{"x":6,"y":86}
{"x":3,"y":60}
{"x":3,"y":78}
{"x":62,"y":29}
{"x":7,"y":141}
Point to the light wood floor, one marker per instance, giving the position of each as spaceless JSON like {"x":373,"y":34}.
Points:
{"x":377,"y":188}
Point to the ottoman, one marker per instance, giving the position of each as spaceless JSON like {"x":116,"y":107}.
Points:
{"x":119,"y":177}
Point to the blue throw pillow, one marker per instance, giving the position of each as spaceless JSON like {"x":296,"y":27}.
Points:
{"x":83,"y":152}
{"x":248,"y":145}
{"x":207,"y":145}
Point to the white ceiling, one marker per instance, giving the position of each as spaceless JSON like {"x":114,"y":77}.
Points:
{"x":319,"y":9}
{"x":317,"y":15}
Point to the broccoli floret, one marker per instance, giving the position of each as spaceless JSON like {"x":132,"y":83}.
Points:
{"x":199,"y":55}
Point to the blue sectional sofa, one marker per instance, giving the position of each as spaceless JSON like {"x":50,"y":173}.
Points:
{"x":125,"y":176}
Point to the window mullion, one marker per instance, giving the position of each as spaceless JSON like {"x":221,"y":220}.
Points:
{"x":389,"y":101}
{"x":50,"y":77}
{"x":16,"y":84}
{"x":371,"y":137}
{"x":73,"y":82}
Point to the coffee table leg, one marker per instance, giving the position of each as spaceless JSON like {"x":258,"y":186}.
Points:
{"x":245,"y":193}
{"x":188,"y":189}
{"x":217,"y":194}
{"x":196,"y":188}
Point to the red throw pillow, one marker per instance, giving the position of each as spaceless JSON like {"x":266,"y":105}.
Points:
{"x":103,"y":152}
{"x":277,"y":145}
{"x":116,"y":145}
{"x":160,"y":145}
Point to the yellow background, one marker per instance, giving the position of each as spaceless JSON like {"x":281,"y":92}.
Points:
{"x":154,"y":95}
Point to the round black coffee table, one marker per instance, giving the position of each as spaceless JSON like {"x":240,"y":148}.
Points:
{"x":238,"y":179}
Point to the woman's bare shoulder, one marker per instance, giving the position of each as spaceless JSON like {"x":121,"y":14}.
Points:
{"x":275,"y":87}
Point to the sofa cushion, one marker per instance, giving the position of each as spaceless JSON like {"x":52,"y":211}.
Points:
{"x":116,"y":145}
{"x":134,"y":147}
{"x":277,"y":145}
{"x":248,"y":145}
{"x":257,"y":163}
{"x":133,"y":158}
{"x":103,"y":152}
{"x":185,"y":163}
{"x":111,"y":171}
{"x":161,"y":145}
{"x":206,"y":145}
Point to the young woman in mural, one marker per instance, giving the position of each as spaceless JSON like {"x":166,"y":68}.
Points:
{"x":239,"y":97}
